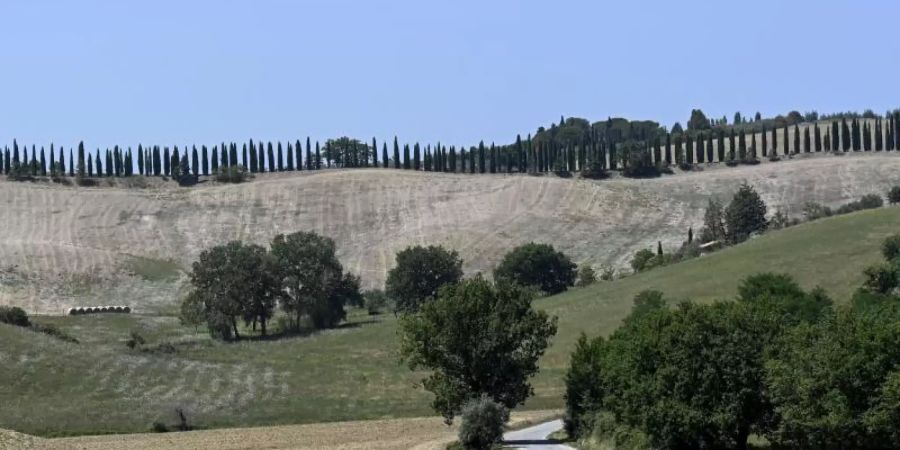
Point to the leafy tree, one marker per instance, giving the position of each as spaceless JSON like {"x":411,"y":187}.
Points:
{"x":13,"y":315}
{"x":713,"y":223}
{"x":232,"y":281}
{"x":779,"y":293}
{"x":641,"y":260}
{"x":312,"y":279}
{"x":419,"y":274}
{"x":584,"y":385}
{"x":476,"y":338}
{"x":834,"y":384}
{"x":538,"y":265}
{"x":745,"y":215}
{"x":698,"y":121}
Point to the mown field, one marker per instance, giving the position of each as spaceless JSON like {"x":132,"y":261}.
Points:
{"x":52,"y":388}
{"x":65,"y":246}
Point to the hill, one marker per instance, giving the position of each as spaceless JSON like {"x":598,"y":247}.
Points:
{"x":67,"y":246}
{"x":99,"y":386}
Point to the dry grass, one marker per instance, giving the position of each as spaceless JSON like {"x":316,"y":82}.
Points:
{"x":54,"y":234}
{"x":394,"y":434}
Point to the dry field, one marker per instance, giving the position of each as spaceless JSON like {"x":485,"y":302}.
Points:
{"x":63,"y":246}
{"x":394,"y":434}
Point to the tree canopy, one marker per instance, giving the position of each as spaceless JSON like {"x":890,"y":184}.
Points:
{"x":538,"y":265}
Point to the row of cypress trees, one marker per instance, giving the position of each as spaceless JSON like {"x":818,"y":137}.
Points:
{"x":525,"y":155}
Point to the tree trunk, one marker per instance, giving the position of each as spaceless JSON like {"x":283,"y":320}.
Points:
{"x":234,"y":327}
{"x":262,"y":324}
{"x":741,"y":438}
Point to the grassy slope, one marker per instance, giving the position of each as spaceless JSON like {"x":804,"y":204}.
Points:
{"x":48,"y":387}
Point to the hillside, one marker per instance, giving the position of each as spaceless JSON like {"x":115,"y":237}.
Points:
{"x":99,"y":386}
{"x":66,"y":246}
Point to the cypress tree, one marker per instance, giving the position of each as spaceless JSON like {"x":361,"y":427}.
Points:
{"x":879,"y":141}
{"x":796,"y":139}
{"x":427,"y":159}
{"x":245,"y":156}
{"x":298,"y":150}
{"x":742,"y":146}
{"x":195,"y":160}
{"x":845,"y":135}
{"x":6,"y":160}
{"x":765,"y":148}
{"x":15,"y":158}
{"x":493,"y":159}
{"x":701,"y":152}
{"x":471,"y":159}
{"x":271,"y":156}
{"x":481,"y":167}
{"x":71,"y":164}
{"x":214,"y":159}
{"x":289,"y":157}
{"x":318,"y":157}
{"x":452,"y":159}
{"x":375,"y":153}
{"x":90,"y":166}
{"x":689,"y":149}
{"x":223,"y":153}
{"x":416,"y":162}
{"x":709,"y":147}
{"x":204,"y":160}
{"x":251,"y":154}
{"x":774,"y":142}
{"x":806,"y":142}
{"x":817,"y":137}
{"x":43,"y":163}
{"x":668,"y":156}
{"x":157,"y":168}
{"x":866,"y":137}
{"x":406,"y":159}
{"x":309,"y":158}
{"x":384,"y":155}
{"x":175,"y":162}
{"x":835,"y":134}
{"x":34,"y":162}
{"x":81,"y":167}
{"x":787,"y":143}
{"x":232,"y":155}
{"x":62,"y":161}
{"x":827,"y":138}
{"x":731,"y":145}
{"x":280,"y":158}
{"x":854,"y":135}
{"x":98,"y":163}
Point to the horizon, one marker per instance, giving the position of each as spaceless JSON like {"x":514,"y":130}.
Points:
{"x":104,"y":74}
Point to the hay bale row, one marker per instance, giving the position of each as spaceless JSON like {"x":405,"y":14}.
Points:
{"x":99,"y":310}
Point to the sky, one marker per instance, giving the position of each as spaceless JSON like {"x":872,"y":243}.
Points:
{"x":206,"y":71}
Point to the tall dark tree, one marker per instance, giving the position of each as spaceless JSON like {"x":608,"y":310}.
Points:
{"x":384,"y":155}
{"x":375,"y":153}
{"x":232,"y":154}
{"x":195,"y":161}
{"x":298,"y":150}
{"x":817,"y":137}
{"x":280,"y":160}
{"x":406,"y":159}
{"x":318,"y":163}
{"x":43,"y":163}
{"x":855,"y":135}
{"x":742,"y":146}
{"x":98,"y":163}
{"x":273,"y":164}
{"x":845,"y":135}
{"x":835,"y":135}
{"x":82,"y":169}
{"x":140,"y":159}
{"x":774,"y":141}
{"x":204,"y":159}
{"x":254,"y":157}
{"x":71,"y":164}
{"x":214,"y":159}
{"x":481,"y":158}
{"x":396,"y":153}
{"x":806,"y":140}
{"x":289,"y":157}
{"x":416,"y":157}
{"x":668,"y":155}
{"x":765,"y":144}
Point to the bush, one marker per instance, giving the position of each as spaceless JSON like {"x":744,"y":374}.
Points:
{"x":231,"y":174}
{"x":482,"y":423}
{"x":19,"y":172}
{"x":774,"y":158}
{"x":641,"y":260}
{"x":586,"y":276}
{"x":53,"y":331}
{"x":751,"y":161}
{"x":135,"y":340}
{"x":584,"y":385}
{"x":871,"y":201}
{"x":375,"y":301}
{"x":894,"y":195}
{"x":732,"y":163}
{"x":538,"y":265}
{"x":606,"y":433}
{"x":890,"y":248}
{"x":814,"y":211}
{"x":594,"y":171}
{"x":13,"y":315}
{"x":159,"y":427}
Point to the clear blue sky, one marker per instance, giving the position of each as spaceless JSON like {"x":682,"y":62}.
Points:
{"x":184,"y":72}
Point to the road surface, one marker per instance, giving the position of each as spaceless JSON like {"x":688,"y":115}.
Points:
{"x":535,"y":438}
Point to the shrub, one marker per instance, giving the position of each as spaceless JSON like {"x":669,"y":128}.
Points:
{"x":774,"y":158}
{"x":13,"y":315}
{"x":53,"y":331}
{"x":159,"y":427}
{"x":135,"y":340}
{"x":19,"y":172}
{"x":641,"y":260}
{"x":231,"y":174}
{"x":732,"y":163}
{"x":594,"y":171}
{"x":607,"y":433}
{"x":745,"y":215}
{"x":584,"y":385}
{"x":586,"y":276}
{"x":482,"y":423}
{"x":894,"y":195}
{"x":538,"y":265}
{"x":890,"y":248}
{"x":750,"y":161}
{"x":375,"y":301}
{"x":814,"y":211}
{"x":871,"y":201}
{"x":607,"y":273}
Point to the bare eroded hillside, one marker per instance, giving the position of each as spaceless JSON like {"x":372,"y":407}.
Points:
{"x":65,"y":246}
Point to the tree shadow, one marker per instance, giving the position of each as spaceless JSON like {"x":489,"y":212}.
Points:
{"x":303,"y":332}
{"x":513,"y":443}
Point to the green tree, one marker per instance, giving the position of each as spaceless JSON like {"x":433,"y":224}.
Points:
{"x":312,"y":280}
{"x":698,"y":121}
{"x":584,"y":385}
{"x":482,"y":423}
{"x":746,"y":214}
{"x":586,"y":275}
{"x":476,"y":338}
{"x":538,"y":265}
{"x":713,"y":223}
{"x":419,"y":273}
{"x":232,"y":281}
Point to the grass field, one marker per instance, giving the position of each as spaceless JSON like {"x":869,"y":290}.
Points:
{"x":52,"y":388}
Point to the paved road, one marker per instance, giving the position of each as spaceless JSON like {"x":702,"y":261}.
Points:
{"x":535,"y":438}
